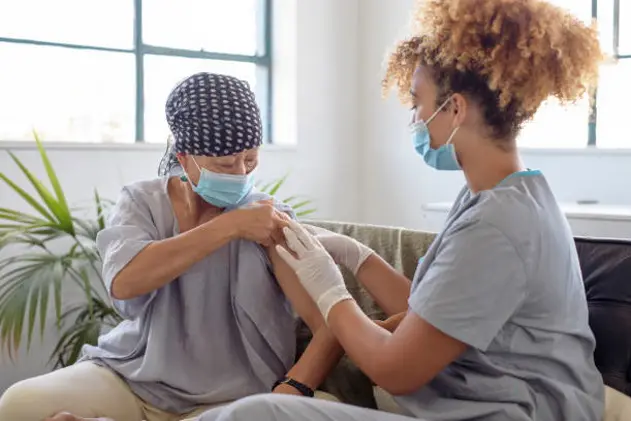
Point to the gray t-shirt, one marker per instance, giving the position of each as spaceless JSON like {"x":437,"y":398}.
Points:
{"x":220,"y":331}
{"x":504,"y":278}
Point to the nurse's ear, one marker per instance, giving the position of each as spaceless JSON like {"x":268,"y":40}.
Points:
{"x":458,"y":109}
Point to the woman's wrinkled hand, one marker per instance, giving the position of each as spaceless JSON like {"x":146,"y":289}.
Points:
{"x":260,"y":222}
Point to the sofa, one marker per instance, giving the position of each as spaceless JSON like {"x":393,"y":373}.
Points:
{"x":606,"y":268}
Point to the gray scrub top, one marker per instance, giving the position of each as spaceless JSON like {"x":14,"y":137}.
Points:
{"x":503,"y":277}
{"x":220,"y":331}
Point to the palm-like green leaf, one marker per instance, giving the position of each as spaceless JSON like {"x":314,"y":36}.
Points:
{"x":100,"y":217}
{"x":86,"y":228}
{"x":44,"y":193}
{"x":296,"y":203}
{"x":32,"y":278}
{"x":27,"y":197}
{"x":86,"y":322}
{"x":53,"y":207}
{"x":64,"y":212}
{"x":277,"y":185}
{"x":24,"y":292}
{"x":302,"y":214}
{"x":72,"y":340}
{"x":15,"y":216}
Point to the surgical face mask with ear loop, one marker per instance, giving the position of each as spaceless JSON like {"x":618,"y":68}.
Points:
{"x":222,"y":190}
{"x":444,"y":158}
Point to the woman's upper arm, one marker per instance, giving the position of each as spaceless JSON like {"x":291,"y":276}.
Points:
{"x":298,"y":297}
{"x":129,"y":230}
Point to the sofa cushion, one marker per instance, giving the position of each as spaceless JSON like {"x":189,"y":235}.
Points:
{"x":617,"y":406}
{"x":606,"y":267}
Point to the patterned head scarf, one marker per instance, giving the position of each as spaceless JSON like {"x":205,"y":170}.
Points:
{"x":211,"y":115}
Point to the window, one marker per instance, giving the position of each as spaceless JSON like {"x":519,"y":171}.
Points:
{"x":100,"y":71}
{"x":596,"y":120}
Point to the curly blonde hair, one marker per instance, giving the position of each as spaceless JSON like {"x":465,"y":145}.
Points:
{"x":507,"y":55}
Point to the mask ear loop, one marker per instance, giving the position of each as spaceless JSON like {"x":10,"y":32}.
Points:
{"x":453,"y":148}
{"x":185,"y":178}
{"x":451,"y":136}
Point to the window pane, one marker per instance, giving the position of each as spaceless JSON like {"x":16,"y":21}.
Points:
{"x":582,"y":9}
{"x":162,"y":73}
{"x":102,"y":23}
{"x":625,"y":27}
{"x":66,"y":95}
{"x":555,"y":126}
{"x":210,"y":25}
{"x":613,"y":115}
{"x":605,"y":25}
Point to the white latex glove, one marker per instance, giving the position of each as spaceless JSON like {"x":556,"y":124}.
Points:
{"x":315,"y":268}
{"x":346,"y":251}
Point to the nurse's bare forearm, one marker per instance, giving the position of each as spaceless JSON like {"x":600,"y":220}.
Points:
{"x":320,"y":357}
{"x":162,"y":261}
{"x":388,"y":288}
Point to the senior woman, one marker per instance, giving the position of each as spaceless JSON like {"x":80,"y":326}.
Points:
{"x":497,"y":324}
{"x":186,"y":262}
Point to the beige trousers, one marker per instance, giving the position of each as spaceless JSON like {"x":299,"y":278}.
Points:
{"x":85,"y":390}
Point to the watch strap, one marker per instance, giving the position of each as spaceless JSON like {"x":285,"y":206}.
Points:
{"x":300,"y":387}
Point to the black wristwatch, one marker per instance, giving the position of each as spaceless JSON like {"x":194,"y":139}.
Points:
{"x":300,"y":387}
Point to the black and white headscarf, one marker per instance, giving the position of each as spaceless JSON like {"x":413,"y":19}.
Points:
{"x":211,"y":115}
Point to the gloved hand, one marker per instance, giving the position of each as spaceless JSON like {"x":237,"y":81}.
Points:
{"x":315,"y":268}
{"x":346,"y":251}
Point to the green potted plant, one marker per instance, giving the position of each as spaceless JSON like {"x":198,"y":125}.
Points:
{"x":36,"y":276}
{"x":51,"y":248}
{"x":301,"y":206}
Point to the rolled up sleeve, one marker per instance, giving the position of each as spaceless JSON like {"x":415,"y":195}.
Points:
{"x":476,"y":282}
{"x":129,"y":230}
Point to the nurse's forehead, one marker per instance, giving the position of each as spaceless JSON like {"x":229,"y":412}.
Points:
{"x":421,"y":82}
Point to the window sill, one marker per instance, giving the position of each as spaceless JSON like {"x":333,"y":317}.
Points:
{"x":29,"y":145}
{"x":596,"y":212}
{"x":586,"y":151}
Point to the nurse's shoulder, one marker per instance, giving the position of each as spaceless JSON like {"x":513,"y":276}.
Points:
{"x":511,"y":208}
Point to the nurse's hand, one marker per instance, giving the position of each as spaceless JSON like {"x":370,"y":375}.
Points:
{"x":314,"y":267}
{"x":346,"y":251}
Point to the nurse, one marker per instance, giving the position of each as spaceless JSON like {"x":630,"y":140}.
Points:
{"x":497,"y":323}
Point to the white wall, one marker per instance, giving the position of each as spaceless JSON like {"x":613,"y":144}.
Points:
{"x":396,"y":184}
{"x":315,"y":95}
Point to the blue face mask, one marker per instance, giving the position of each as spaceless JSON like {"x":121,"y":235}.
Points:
{"x":444,"y":158}
{"x":222,"y":190}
